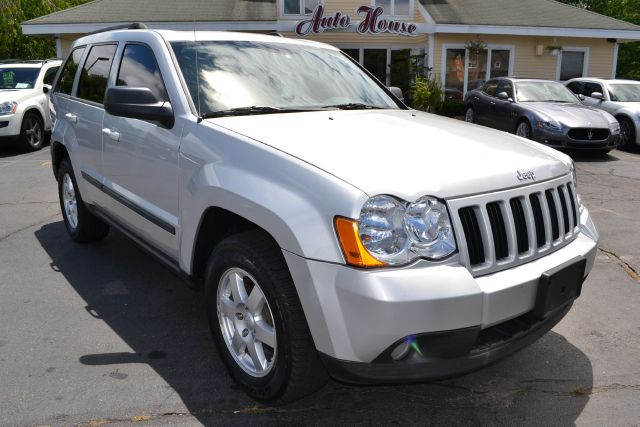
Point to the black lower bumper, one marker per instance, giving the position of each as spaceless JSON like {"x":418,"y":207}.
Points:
{"x":9,"y":139}
{"x":442,"y":355}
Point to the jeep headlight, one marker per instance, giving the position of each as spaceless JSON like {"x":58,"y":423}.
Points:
{"x":394,"y":232}
{"x":614,"y":128}
{"x":9,"y":107}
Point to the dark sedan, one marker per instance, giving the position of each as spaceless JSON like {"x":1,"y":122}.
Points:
{"x":544,"y":111}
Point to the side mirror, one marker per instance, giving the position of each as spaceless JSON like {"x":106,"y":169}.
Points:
{"x":138,"y":103}
{"x":597,"y":95}
{"x":504,"y":96}
{"x":397,"y":92}
{"x":581,"y":97}
{"x":46,"y":88}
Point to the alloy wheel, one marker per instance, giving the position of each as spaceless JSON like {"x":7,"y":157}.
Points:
{"x":469,"y":116}
{"x":69,"y":201}
{"x":523,"y":130}
{"x":33,"y":131}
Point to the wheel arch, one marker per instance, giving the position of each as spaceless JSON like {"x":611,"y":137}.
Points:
{"x":58,"y":153}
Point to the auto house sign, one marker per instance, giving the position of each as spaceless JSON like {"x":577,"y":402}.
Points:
{"x":373,"y":22}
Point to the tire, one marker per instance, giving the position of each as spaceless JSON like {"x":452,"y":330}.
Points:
{"x":32,"y":135}
{"x":470,"y":115}
{"x":291,"y":368}
{"x":81,"y":224}
{"x":627,"y":132}
{"x":524,"y":129}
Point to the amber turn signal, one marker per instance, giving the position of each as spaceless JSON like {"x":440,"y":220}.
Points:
{"x":354,"y":251}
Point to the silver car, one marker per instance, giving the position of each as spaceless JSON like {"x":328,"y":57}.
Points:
{"x":544,"y":111}
{"x":334,"y":230}
{"x":621,"y":98}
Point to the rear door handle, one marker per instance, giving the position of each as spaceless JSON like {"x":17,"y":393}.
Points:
{"x":113,"y":135}
{"x":71,"y":118}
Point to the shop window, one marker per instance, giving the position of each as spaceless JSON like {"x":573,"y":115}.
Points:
{"x":477,"y":72}
{"x":395,"y":7}
{"x":572,"y":64}
{"x":464,"y":70}
{"x":499,"y":63}
{"x":375,"y":60}
{"x":455,"y":73}
{"x":300,"y":7}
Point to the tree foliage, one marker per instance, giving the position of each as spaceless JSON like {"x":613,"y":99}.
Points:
{"x":626,"y":10}
{"x":14,"y":44}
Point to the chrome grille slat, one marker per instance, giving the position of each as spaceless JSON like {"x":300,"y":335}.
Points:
{"x":500,"y":230}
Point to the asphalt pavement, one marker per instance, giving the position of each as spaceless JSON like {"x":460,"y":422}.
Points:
{"x":102,"y":334}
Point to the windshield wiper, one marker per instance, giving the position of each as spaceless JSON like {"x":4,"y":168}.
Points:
{"x":354,"y":106}
{"x":246,"y":111}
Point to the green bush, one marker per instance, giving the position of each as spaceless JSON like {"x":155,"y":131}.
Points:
{"x":451,"y":108}
{"x":426,"y":94}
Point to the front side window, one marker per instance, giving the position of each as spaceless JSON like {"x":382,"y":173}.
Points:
{"x":300,"y":7}
{"x":490,"y":87}
{"x":394,"y":7}
{"x":575,"y":87}
{"x":95,"y":73}
{"x":543,"y":92}
{"x":240,"y":74}
{"x":65,"y":82}
{"x":18,"y":77}
{"x":139,"y":68}
{"x":507,"y":87}
{"x":589,"y":88}
{"x":50,"y":75}
{"x":625,"y":92}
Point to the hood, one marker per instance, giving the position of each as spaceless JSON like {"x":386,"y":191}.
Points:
{"x":15,"y":95}
{"x":571,"y":115}
{"x":404,"y":153}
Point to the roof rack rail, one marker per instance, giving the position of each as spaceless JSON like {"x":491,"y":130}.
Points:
{"x":51,"y":60}
{"x":132,"y":26}
{"x":21,"y":61}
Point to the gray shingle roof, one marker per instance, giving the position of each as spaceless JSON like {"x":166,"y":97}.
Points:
{"x":527,"y":13}
{"x":103,"y":11}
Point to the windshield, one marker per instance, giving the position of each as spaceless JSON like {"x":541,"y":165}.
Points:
{"x":18,"y":78}
{"x":624,"y":92}
{"x":248,"y":76}
{"x":543,"y":92}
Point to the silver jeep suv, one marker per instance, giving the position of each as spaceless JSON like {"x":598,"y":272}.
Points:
{"x":335,"y":231}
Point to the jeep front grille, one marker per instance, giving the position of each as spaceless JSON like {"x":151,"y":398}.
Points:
{"x":501,"y":230}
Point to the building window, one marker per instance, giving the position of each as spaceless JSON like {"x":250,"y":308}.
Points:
{"x":299,"y":7}
{"x":395,"y":7}
{"x":572,"y":63}
{"x":463,"y":70}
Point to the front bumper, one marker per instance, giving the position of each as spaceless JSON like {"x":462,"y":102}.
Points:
{"x":562,"y":140}
{"x":356,"y":316}
{"x":9,"y":128}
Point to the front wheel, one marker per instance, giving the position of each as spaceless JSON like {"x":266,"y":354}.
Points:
{"x":470,"y":116}
{"x":31,"y":133}
{"x":524,"y":129}
{"x":257,"y":320}
{"x":627,"y":132}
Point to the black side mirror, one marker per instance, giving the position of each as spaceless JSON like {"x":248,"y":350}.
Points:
{"x":138,"y":103}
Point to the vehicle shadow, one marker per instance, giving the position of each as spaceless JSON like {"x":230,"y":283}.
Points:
{"x":591,"y":157}
{"x":163,"y":322}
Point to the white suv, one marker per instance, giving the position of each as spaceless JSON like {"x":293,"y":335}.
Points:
{"x":24,"y":101}
{"x":335,"y":231}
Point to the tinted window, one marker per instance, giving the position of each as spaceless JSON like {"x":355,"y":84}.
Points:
{"x":575,"y":87}
{"x":65,"y":82}
{"x":139,"y":68}
{"x":49,"y":75}
{"x":589,"y":88}
{"x":490,"y":87}
{"x":18,"y":77}
{"x":95,"y":73}
{"x":506,"y":86}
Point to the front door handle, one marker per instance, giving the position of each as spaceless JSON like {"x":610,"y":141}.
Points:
{"x":113,"y":135}
{"x":71,"y":118}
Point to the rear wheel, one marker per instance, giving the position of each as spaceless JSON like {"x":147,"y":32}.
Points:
{"x":257,"y":320}
{"x":81,"y":224}
{"x":627,"y":132}
{"x":470,"y":115}
{"x":524,"y":129}
{"x":31,"y":133}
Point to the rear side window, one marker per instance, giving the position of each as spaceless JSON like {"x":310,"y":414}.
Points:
{"x":65,"y":82}
{"x":139,"y":68}
{"x":49,"y":75}
{"x":95,"y":73}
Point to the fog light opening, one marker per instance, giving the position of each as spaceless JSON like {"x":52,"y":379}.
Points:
{"x":402,"y":350}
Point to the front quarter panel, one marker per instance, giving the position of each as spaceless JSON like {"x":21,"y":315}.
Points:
{"x":292,"y":200}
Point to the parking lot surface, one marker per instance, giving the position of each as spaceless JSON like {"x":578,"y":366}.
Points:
{"x":102,"y":334}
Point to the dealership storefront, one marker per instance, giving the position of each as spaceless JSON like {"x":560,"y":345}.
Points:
{"x":455,"y":41}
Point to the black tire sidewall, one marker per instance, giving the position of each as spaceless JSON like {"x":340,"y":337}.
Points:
{"x":632,"y":132}
{"x":24,"y":143}
{"x":234,"y":254}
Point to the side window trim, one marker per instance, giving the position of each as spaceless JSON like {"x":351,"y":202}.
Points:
{"x":114,"y":81}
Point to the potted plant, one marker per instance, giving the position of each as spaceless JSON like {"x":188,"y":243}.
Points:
{"x":554,"y":50}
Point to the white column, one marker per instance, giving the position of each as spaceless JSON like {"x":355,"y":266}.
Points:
{"x":58,"y":46}
{"x":614,"y":70}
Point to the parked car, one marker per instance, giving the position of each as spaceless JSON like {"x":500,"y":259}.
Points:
{"x":333,"y":229}
{"x":544,"y":111}
{"x":621,"y":98}
{"x":24,"y":101}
